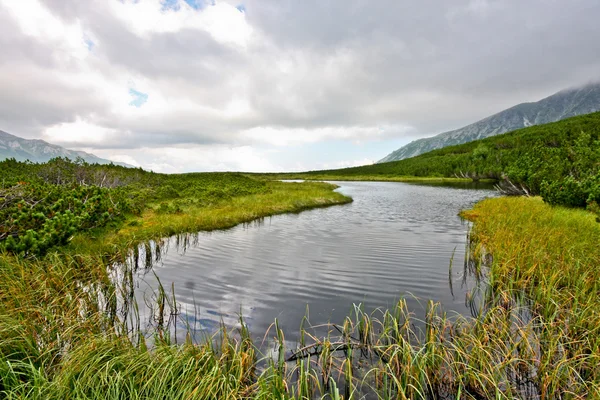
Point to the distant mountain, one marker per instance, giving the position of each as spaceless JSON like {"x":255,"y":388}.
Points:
{"x":12,"y":146}
{"x":561,"y":105}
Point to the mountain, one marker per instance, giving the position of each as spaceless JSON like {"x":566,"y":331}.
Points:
{"x":561,"y":105}
{"x":12,"y":146}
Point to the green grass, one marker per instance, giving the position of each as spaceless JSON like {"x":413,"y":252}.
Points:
{"x":536,"y":334}
{"x":60,"y":332}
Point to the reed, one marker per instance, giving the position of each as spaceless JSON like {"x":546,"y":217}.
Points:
{"x":534,"y":333}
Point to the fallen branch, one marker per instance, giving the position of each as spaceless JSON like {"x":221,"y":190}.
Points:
{"x":337,"y":346}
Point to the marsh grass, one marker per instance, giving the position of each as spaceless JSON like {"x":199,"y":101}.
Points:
{"x":65,"y":334}
{"x":534,"y":334}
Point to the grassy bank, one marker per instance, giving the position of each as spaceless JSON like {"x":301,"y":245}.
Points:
{"x":62,"y":335}
{"x":546,"y":259}
{"x":62,"y":204}
{"x":185,"y":215}
{"x":332,"y":176}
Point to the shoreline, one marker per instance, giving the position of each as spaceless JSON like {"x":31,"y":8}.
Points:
{"x":281,"y":198}
{"x":541,"y":259}
{"x":366,"y":178}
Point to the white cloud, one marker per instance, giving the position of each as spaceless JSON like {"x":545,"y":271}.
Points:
{"x":79,"y":131}
{"x":35,"y":20}
{"x":222,"y":21}
{"x":196,"y":158}
{"x":281,"y":136}
{"x":124,"y":158}
{"x":347,"y":163}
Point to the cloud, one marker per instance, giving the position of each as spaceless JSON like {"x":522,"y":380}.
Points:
{"x":147,"y":18}
{"x":279,"y":136}
{"x":134,"y":77}
{"x":196,"y":158}
{"x":347,"y":163}
{"x":79,"y":132}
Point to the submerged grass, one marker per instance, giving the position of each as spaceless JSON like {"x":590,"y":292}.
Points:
{"x":535,"y":334}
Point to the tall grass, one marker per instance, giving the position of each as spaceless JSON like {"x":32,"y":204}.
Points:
{"x":534,"y":335}
{"x":64,"y":334}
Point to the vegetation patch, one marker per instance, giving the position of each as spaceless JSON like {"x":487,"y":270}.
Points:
{"x":64,"y":225}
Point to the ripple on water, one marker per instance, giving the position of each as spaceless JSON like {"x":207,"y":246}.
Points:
{"x":394,"y":240}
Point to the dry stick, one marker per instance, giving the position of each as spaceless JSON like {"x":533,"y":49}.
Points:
{"x":302,"y":353}
{"x":337,"y":346}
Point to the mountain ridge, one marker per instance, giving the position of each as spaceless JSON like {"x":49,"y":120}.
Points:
{"x":37,"y":150}
{"x":563,"y":104}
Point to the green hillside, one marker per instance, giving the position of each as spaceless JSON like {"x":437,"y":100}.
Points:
{"x":564,"y":104}
{"x":560,"y":161}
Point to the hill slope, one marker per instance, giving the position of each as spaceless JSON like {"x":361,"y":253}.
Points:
{"x":564,"y":104}
{"x":560,"y":161}
{"x":12,"y":146}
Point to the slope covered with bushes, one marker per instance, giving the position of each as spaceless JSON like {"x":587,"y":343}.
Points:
{"x":560,"y":161}
{"x":44,"y":205}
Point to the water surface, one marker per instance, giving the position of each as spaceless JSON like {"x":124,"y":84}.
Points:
{"x":395,"y":240}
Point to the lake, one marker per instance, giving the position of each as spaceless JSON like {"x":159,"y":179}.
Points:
{"x":395,"y":240}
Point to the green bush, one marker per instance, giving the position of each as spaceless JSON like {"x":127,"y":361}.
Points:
{"x":566,"y":192}
{"x":43,"y":205}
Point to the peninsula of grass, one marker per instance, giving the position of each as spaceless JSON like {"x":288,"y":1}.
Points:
{"x":78,"y":208}
{"x":187,"y":215}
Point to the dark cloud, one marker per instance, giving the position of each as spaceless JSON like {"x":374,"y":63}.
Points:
{"x":430,"y":65}
{"x":477,"y":55}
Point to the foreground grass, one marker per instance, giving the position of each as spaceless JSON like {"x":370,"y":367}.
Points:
{"x":535,"y":336}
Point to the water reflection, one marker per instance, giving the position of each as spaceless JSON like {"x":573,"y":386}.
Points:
{"x":395,"y":240}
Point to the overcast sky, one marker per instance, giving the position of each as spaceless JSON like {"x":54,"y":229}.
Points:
{"x":268,"y":85}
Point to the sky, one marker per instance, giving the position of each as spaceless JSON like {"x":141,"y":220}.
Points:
{"x":278,"y":85}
